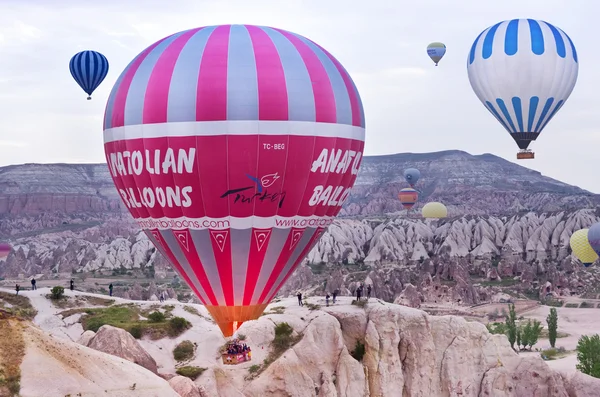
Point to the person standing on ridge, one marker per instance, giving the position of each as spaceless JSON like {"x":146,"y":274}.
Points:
{"x":33,"y":287}
{"x":72,"y":284}
{"x":368,"y":291}
{"x":17,"y":288}
{"x":327,"y":298}
{"x":300,"y":299}
{"x":110,"y":289}
{"x":334,"y":295}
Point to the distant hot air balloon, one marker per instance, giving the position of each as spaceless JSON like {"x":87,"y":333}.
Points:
{"x":593,"y":237}
{"x":412,"y":175}
{"x":408,"y":197}
{"x":434,"y":210}
{"x":436,"y":51}
{"x":4,"y":250}
{"x":88,"y":68}
{"x":582,"y":248}
{"x":234,"y":147}
{"x":523,"y":71}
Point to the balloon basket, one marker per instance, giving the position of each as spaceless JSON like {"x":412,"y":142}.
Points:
{"x":526,"y":154}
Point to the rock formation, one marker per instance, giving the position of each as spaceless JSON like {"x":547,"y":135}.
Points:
{"x":120,"y":343}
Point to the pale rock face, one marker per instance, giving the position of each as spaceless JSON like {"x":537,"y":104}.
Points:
{"x":120,"y":343}
{"x":86,"y":338}
{"x":58,"y":367}
{"x":185,"y":387}
{"x":580,"y":385}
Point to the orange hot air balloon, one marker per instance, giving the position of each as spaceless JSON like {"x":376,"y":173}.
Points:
{"x":408,"y":197}
{"x":234,"y":147}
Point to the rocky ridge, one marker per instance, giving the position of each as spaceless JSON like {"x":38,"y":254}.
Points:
{"x":404,"y":351}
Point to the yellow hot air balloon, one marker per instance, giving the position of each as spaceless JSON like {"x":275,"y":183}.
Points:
{"x":434,"y":210}
{"x":582,"y":248}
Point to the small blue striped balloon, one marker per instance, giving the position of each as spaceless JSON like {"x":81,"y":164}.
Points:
{"x":88,"y":68}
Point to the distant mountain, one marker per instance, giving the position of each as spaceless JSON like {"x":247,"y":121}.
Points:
{"x":467,"y":184}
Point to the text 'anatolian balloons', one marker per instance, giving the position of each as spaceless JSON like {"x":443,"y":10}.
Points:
{"x":234,"y":147}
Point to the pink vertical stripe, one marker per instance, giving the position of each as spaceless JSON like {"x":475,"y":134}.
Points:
{"x":211,"y":97}
{"x":313,"y":240}
{"x":352,"y":91}
{"x":166,"y":251}
{"x":282,"y":260}
{"x":325,"y":106}
{"x":156,"y":99}
{"x":118,"y":113}
{"x":272,"y":89}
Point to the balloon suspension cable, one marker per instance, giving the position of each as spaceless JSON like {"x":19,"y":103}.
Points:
{"x":89,"y":98}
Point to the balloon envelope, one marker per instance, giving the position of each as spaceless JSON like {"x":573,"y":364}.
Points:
{"x":434,"y":210}
{"x":412,"y":175}
{"x":436,"y":51}
{"x":408,"y":197}
{"x":593,"y":237}
{"x":582,"y":248}
{"x":88,"y":68}
{"x":523,"y":71}
{"x":4,"y":250}
{"x":234,"y":147}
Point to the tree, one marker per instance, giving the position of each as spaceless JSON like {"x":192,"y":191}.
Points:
{"x":552,"y":321}
{"x":588,"y":355}
{"x":529,"y":334}
{"x":511,"y":325}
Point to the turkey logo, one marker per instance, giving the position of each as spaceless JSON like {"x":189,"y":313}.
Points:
{"x":261,"y":193}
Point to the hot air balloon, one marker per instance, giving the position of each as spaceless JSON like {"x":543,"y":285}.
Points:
{"x":434,"y":210}
{"x":436,"y":51}
{"x":408,"y":197}
{"x":593,"y":237}
{"x":412,"y":175}
{"x":88,"y":68}
{"x":4,"y":250}
{"x":234,"y":147}
{"x":523,"y":71}
{"x":582,"y":248}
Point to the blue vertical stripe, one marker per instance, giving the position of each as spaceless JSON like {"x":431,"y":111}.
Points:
{"x":242,"y":78}
{"x":488,"y":42}
{"x":511,"y":39}
{"x":495,"y":113}
{"x":516,"y":102}
{"x":572,"y":47}
{"x":301,"y":98}
{"x":544,"y":113}
{"x":134,"y":104}
{"x":342,"y":97}
{"x":560,"y":43}
{"x":473,"y":48}
{"x":184,"y":81}
{"x":506,"y":114}
{"x":556,"y":109}
{"x":537,"y":37}
{"x":533,"y":104}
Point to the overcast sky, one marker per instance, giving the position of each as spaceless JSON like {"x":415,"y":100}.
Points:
{"x":410,"y":105}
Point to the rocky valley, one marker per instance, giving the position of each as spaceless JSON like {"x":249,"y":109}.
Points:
{"x":508,"y":230}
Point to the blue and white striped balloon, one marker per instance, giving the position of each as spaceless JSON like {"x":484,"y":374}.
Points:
{"x":88,"y":68}
{"x":523,"y":71}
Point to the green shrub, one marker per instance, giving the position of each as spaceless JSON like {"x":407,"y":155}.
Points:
{"x":360,"y":303}
{"x":184,"y":351}
{"x":178,"y":325}
{"x":254,"y":369}
{"x":190,"y":372}
{"x":359,"y":351}
{"x":156,"y":317}
{"x":572,"y":305}
{"x":137,"y":331}
{"x":57,"y":292}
